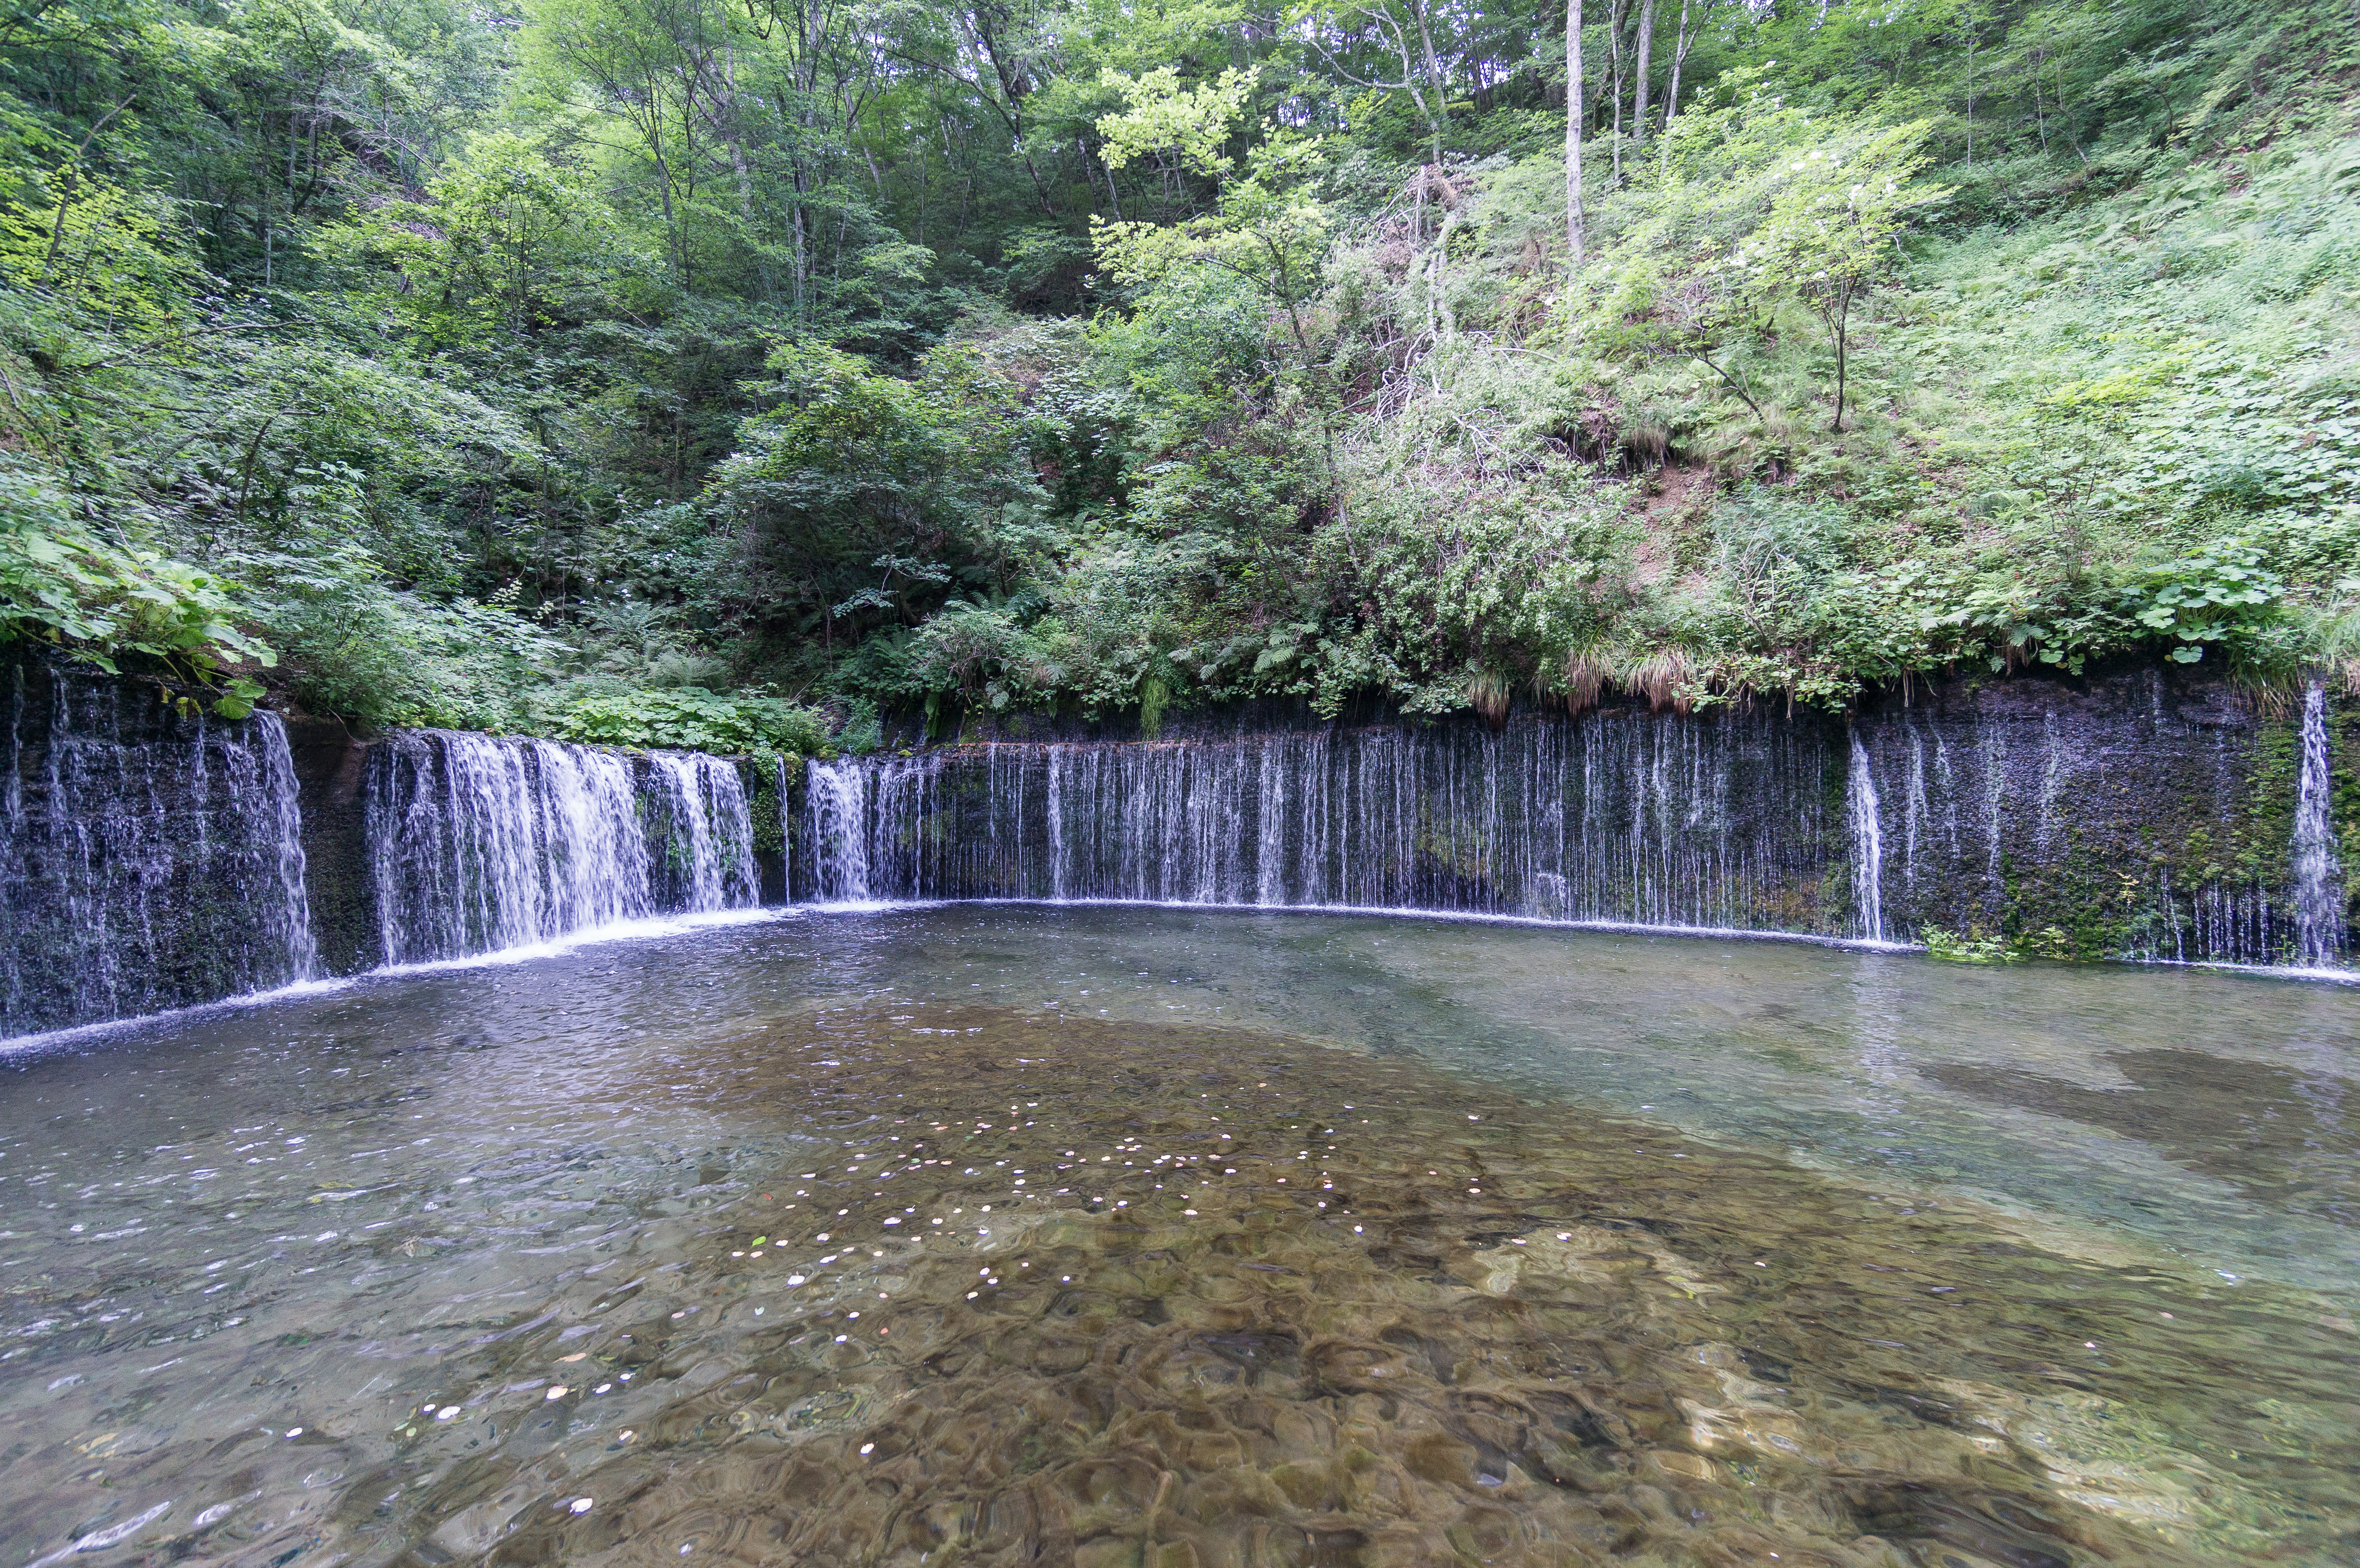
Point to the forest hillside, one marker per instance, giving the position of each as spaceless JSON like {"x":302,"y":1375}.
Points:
{"x":732,"y":373}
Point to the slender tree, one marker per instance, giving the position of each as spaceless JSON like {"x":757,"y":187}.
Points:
{"x":1682,"y":41}
{"x":1639,"y":92}
{"x":1573,"y":111}
{"x":1616,"y":10}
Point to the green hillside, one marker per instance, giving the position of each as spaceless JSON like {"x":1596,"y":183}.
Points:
{"x":702,"y":373}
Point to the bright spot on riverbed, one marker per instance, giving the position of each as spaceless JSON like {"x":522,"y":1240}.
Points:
{"x":581,"y":1505}
{"x":557,"y":1393}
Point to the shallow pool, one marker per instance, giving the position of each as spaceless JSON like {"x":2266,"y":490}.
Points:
{"x":1165,"y":1237}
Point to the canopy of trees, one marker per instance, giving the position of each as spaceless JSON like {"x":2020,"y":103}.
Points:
{"x":427,"y":362}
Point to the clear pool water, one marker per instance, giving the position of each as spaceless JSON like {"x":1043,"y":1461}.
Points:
{"x":1005,"y":1235}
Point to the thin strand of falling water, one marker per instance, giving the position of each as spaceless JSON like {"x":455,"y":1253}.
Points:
{"x":1867,"y":843}
{"x":2319,"y":914}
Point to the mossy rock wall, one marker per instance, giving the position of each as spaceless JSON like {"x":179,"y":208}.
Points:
{"x":2141,"y":815}
{"x":2144,"y":814}
{"x":331,"y":772}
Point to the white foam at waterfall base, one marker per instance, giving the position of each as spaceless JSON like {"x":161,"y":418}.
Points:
{"x":16,"y":1045}
{"x":1396,"y":912}
{"x":652,"y":928}
{"x":646,"y":929}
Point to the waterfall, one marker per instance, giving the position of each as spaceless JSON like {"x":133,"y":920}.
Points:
{"x":1866,"y":819}
{"x":1653,"y":822}
{"x":479,"y":843}
{"x":839,"y":827}
{"x":2318,"y":876}
{"x":2134,"y":818}
{"x":482,"y":842}
{"x":150,"y":855}
{"x":786,"y":824}
{"x":709,"y":861}
{"x":153,"y":856}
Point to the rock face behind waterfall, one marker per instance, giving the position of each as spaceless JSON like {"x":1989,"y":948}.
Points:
{"x":2142,"y":815}
{"x":150,"y":857}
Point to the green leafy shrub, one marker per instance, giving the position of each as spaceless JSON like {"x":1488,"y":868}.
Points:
{"x":360,"y":650}
{"x":2221,"y":595}
{"x":1970,"y":947}
{"x":693,"y":719}
{"x":104,"y":602}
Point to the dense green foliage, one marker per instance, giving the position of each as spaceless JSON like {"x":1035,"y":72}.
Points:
{"x":666,"y":372}
{"x":696,"y":720}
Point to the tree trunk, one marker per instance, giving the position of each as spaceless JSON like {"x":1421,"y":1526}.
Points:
{"x":1971,"y":92}
{"x":1843,"y":322}
{"x":1639,"y":92}
{"x":1434,"y":80}
{"x":1682,"y":41}
{"x":1573,"y":115}
{"x":1614,"y":14}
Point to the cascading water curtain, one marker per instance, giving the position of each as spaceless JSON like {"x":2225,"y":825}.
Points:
{"x":152,"y":855}
{"x":2021,"y":813}
{"x":482,"y":842}
{"x":838,"y":800}
{"x":1676,"y":824}
{"x":479,"y":843}
{"x":705,"y":849}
